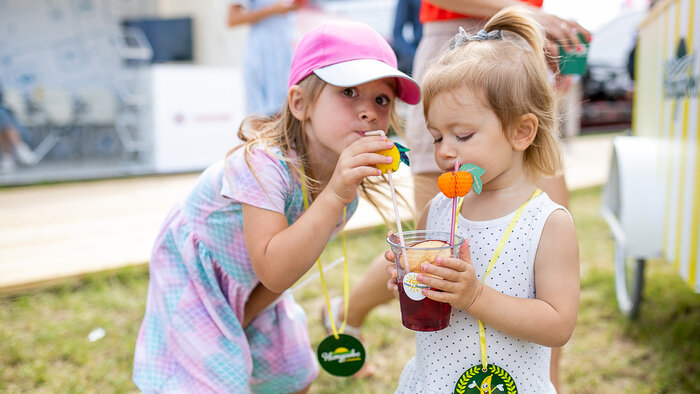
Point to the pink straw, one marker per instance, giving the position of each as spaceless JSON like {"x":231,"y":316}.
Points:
{"x":454,"y":211}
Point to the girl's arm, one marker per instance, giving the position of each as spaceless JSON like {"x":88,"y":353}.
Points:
{"x":281,"y":253}
{"x":239,"y":15}
{"x":548,"y":319}
{"x":557,"y":29}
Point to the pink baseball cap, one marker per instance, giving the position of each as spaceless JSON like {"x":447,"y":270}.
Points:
{"x":349,"y":54}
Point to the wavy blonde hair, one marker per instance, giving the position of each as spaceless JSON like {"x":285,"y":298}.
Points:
{"x":512,"y":75}
{"x":286,"y":132}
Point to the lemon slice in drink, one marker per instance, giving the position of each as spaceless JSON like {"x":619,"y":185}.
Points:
{"x":418,"y":256}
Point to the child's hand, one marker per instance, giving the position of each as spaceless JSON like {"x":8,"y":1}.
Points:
{"x":356,"y":162}
{"x":284,"y":6}
{"x":459,"y":284}
{"x":392,"y":284}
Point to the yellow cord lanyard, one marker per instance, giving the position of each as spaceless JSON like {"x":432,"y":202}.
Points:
{"x":496,"y":253}
{"x":346,"y":286}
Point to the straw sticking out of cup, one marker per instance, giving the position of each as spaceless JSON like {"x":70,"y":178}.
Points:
{"x":393,"y":199}
{"x":454,"y":212}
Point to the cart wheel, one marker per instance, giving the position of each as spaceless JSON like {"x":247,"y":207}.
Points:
{"x":629,"y":281}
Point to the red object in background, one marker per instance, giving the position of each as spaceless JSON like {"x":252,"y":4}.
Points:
{"x":431,"y":13}
{"x":606,"y":114}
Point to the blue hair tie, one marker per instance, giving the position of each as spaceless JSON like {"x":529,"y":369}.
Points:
{"x":463,"y":37}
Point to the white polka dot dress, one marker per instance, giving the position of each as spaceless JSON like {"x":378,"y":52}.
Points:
{"x":442,"y":356}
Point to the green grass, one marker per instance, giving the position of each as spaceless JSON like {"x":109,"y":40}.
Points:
{"x":44,"y":345}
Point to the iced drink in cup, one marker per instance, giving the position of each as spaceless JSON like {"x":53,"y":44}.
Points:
{"x":419,"y":313}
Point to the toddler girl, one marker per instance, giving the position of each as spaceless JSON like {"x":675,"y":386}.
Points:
{"x":488,"y":101}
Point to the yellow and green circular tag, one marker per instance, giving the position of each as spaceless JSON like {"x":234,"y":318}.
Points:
{"x":487,"y":381}
{"x":341,"y":357}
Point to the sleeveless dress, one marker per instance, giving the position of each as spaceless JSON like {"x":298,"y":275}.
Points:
{"x":191,"y":339}
{"x":442,"y":356}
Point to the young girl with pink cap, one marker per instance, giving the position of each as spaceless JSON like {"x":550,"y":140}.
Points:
{"x":215,"y":319}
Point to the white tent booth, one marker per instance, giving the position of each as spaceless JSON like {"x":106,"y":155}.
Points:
{"x":99,"y":96}
{"x":133,"y":87}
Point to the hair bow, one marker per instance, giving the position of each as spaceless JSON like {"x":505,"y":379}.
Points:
{"x":463,"y":37}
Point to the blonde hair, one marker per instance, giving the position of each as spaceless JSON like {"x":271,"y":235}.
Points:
{"x":286,"y":132}
{"x":511,"y":73}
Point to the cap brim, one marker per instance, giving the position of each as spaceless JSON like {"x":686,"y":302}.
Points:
{"x":357,"y":72}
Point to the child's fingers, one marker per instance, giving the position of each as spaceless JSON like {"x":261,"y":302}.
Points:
{"x":439,"y":296}
{"x":447,"y":268}
{"x":392,"y":283}
{"x":370,"y":144}
{"x":432,"y":281}
{"x":464,"y":252}
{"x":360,"y":160}
{"x":369,"y":159}
{"x":355,"y":175}
{"x":393,"y":287}
{"x":442,"y":284}
{"x":390,"y":270}
{"x":389,"y":256}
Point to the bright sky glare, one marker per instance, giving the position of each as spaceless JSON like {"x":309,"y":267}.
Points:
{"x":592,"y":14}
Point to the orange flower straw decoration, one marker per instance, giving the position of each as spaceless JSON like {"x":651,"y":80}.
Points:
{"x":398,"y":153}
{"x":457,"y":183}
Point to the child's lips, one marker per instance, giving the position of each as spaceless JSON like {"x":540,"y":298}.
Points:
{"x":449,"y":168}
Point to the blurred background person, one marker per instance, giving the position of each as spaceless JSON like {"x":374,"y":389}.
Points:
{"x":407,"y":32}
{"x":569,"y":97}
{"x":13,"y":139}
{"x":268,"y":52}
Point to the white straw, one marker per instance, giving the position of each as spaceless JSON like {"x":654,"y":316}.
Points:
{"x":396,"y":207}
{"x":398,"y":221}
{"x":306,"y":281}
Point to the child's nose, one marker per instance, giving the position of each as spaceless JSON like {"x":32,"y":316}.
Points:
{"x":368,"y":114}
{"x":445,"y":151}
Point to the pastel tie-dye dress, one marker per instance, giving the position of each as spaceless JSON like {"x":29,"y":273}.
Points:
{"x":191,"y":338}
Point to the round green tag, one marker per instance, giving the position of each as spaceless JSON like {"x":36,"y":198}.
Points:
{"x":341,"y":357}
{"x":487,"y":381}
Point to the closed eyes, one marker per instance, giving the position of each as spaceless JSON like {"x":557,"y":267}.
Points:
{"x":460,"y":138}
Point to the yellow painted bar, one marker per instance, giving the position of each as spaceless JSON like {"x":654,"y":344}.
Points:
{"x":679,"y":253}
{"x":669,"y":140}
{"x":693,"y":281}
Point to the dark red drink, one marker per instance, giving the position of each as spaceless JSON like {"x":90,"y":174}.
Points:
{"x":423,"y":315}
{"x":418,"y":312}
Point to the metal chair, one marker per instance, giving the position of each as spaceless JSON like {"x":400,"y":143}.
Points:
{"x":57,"y":108}
{"x":19,"y":104}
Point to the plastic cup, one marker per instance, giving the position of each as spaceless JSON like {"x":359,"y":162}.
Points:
{"x":419,"y":313}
